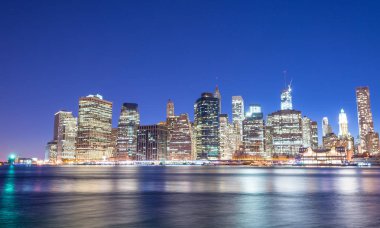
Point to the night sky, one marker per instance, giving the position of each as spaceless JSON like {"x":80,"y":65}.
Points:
{"x":53,"y":52}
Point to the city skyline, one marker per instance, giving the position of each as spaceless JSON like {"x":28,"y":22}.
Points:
{"x":240,"y":53}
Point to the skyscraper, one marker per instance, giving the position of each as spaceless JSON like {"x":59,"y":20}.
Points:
{"x":253,"y":130}
{"x":129,"y":122}
{"x":326,"y":127}
{"x":238,"y":113}
{"x":227,"y":138}
{"x":152,"y":143}
{"x":94,"y":128}
{"x":284,"y":132}
{"x":314,"y":134}
{"x":366,"y":122}
{"x":169,"y":109}
{"x":343,"y":124}
{"x":219,"y":96}
{"x":309,"y":133}
{"x":286,"y":99}
{"x":65,"y":133}
{"x":180,"y":146}
{"x":206,"y":121}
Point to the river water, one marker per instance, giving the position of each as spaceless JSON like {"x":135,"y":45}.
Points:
{"x":189,"y":197}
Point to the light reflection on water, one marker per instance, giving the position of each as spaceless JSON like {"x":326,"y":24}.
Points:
{"x":184,"y":196}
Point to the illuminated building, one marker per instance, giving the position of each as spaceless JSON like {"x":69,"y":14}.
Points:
{"x":238,"y":113}
{"x":152,"y":143}
{"x":331,"y":140}
{"x":169,"y":109}
{"x":129,"y":122}
{"x":253,"y":130}
{"x":284,"y":132}
{"x":65,"y":133}
{"x":180,"y":146}
{"x":309,"y":133}
{"x":193,"y":141}
{"x":320,"y":157}
{"x":367,"y":134}
{"x":326,"y":127}
{"x":206,"y":122}
{"x":227,"y":138}
{"x":343,"y":124}
{"x":94,"y":128}
{"x":112,"y":149}
{"x":286,"y":99}
{"x":51,"y":152}
{"x":314,"y":134}
{"x":372,"y":142}
{"x":219,"y":96}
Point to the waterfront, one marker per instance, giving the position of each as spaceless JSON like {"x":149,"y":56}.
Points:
{"x":189,"y":196}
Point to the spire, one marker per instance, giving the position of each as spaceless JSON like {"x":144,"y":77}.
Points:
{"x":219,"y":96}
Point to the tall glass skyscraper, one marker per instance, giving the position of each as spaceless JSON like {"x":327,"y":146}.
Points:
{"x":238,"y":114}
{"x":286,"y":99}
{"x":94,"y":128}
{"x":129,"y":122}
{"x":206,"y":121}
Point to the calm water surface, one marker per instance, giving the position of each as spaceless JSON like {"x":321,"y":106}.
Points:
{"x":188,"y":197}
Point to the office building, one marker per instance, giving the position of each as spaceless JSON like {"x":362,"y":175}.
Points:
{"x":253,"y":131}
{"x":227,"y":138}
{"x":206,"y":122}
{"x":94,"y":128}
{"x":126,"y":142}
{"x":65,"y":133}
{"x":180,"y":146}
{"x":286,"y":99}
{"x":368,"y":137}
{"x":152,"y":143}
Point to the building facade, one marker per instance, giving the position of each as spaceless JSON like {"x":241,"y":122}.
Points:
{"x":152,"y":143}
{"x":126,"y":142}
{"x":253,"y":131}
{"x":227,"y":138}
{"x":206,"y":122}
{"x":238,"y":113}
{"x":286,"y":99}
{"x":365,"y":120}
{"x":284,"y":132}
{"x":180,"y":146}
{"x":65,"y":133}
{"x":94,"y":128}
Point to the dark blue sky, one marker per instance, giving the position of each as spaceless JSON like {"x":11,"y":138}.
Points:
{"x":53,"y":52}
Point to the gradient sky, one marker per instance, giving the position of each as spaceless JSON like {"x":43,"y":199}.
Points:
{"x":53,"y":52}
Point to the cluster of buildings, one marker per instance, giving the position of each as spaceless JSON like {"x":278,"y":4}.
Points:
{"x":212,"y":135}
